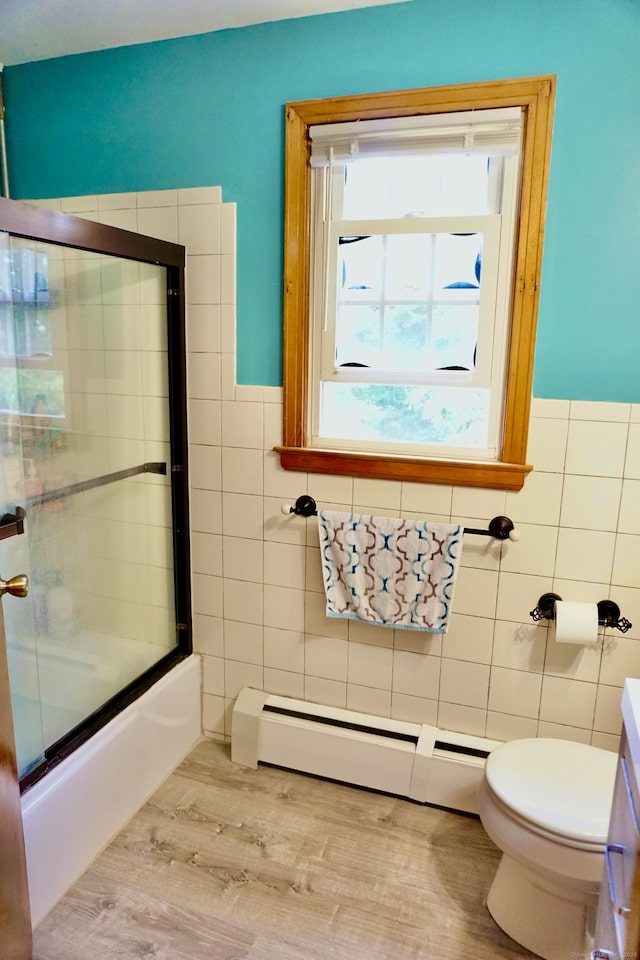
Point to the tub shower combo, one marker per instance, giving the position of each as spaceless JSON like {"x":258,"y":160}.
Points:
{"x":94,"y":547}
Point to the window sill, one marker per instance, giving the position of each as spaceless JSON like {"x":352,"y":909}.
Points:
{"x":463,"y":473}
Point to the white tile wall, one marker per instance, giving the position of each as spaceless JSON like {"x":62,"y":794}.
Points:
{"x":258,"y":600}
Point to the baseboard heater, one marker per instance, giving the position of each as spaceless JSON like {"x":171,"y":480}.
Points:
{"x":411,"y":760}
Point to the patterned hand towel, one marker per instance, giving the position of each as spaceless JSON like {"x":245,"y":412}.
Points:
{"x":388,"y":571}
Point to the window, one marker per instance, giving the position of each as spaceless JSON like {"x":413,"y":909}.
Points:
{"x":30,"y":385}
{"x":412,"y":227}
{"x":413,"y":237}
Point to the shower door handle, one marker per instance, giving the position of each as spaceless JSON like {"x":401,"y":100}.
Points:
{"x":17,"y":586}
{"x":12,"y":524}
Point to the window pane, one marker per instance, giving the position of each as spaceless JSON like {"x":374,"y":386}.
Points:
{"x":25,"y":326}
{"x":33,"y":393}
{"x":359,"y":335}
{"x":457,"y":266}
{"x":409,"y":266}
{"x":360,"y":267}
{"x":406,"y":332}
{"x":432,"y":185}
{"x":413,"y":415}
{"x":454,"y":335}
{"x":409,"y":302}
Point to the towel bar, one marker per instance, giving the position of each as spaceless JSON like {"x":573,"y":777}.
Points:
{"x":501,"y":528}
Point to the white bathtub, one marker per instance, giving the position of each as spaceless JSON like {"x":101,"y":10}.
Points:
{"x":77,"y":808}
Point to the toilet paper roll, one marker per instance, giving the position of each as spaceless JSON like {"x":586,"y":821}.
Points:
{"x":576,"y":623}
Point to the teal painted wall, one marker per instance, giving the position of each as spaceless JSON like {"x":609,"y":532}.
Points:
{"x":209,"y":110}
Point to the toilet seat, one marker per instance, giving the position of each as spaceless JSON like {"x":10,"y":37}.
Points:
{"x":558,"y":789}
{"x":537,"y":829}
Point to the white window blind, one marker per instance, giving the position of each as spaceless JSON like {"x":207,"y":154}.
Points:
{"x":485,"y":131}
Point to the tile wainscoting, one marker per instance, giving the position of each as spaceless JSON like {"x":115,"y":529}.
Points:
{"x":258,"y":595}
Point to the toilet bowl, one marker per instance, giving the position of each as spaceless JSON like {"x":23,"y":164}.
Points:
{"x":546,"y":804}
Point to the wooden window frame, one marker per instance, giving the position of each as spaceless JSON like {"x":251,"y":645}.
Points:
{"x":535,"y":97}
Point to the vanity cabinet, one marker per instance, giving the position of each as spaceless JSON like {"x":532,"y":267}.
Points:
{"x":617,"y":933}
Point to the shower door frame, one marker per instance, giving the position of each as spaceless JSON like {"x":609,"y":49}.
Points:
{"x":30,"y":222}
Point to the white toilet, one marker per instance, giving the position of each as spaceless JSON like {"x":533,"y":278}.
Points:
{"x":546,"y":804}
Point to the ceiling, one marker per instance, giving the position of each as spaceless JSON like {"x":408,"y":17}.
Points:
{"x":40,"y":29}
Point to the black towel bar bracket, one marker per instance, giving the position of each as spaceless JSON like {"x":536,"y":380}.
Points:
{"x":500,"y":528}
{"x":608,"y":612}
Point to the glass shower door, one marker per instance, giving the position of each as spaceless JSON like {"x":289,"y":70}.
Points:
{"x":84,"y":393}
{"x":15,"y":925}
{"x":19,"y":615}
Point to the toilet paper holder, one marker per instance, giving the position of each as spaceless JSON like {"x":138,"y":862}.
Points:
{"x":608,"y":612}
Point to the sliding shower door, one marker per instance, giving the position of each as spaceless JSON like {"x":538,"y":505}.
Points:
{"x":92,"y":396}
{"x":15,"y":923}
{"x":19,"y":614}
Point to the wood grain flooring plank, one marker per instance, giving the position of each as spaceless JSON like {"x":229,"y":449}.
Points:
{"x":333,"y":803}
{"x":234,"y":864}
{"x":270,"y":948}
{"x":110,"y":921}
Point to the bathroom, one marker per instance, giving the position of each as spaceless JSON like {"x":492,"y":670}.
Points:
{"x":205,"y":113}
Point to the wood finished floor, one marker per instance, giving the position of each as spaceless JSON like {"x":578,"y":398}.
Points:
{"x":225,"y":863}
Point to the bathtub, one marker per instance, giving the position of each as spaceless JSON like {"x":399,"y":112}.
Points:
{"x":77,"y":808}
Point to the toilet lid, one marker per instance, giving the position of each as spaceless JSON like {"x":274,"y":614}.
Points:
{"x":562,"y":786}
